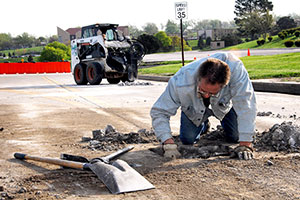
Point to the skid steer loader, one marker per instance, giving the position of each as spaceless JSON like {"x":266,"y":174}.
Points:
{"x":103,"y":52}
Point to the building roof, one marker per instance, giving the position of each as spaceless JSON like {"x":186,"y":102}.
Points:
{"x":73,"y":31}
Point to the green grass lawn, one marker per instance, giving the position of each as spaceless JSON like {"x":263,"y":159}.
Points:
{"x":24,"y":50}
{"x":275,"y":43}
{"x":15,"y":60}
{"x":283,"y":65}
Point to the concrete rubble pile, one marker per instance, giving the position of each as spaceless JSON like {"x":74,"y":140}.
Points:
{"x":135,"y":83}
{"x":110,"y":139}
{"x":283,"y":137}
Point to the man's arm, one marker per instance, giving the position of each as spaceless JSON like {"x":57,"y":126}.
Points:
{"x":165,"y":107}
{"x":244,"y":102}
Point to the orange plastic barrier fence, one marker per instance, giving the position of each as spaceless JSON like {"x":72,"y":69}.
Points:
{"x":33,"y":68}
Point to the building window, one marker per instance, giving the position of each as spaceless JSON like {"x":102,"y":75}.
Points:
{"x":72,"y":37}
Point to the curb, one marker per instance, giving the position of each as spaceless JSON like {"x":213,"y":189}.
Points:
{"x":284,"y":88}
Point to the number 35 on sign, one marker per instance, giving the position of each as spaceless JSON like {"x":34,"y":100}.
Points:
{"x":181,"y":10}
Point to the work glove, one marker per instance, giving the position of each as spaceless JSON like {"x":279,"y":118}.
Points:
{"x":242,"y":153}
{"x":170,"y":151}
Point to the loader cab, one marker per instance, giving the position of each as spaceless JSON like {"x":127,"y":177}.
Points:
{"x":109,"y":30}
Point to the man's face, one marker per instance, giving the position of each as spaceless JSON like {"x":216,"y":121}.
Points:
{"x":206,"y":90}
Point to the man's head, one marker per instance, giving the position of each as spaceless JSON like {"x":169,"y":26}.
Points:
{"x":213,"y":74}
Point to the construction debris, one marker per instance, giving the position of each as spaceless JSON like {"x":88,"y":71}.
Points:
{"x":136,"y":83}
{"x":110,"y":139}
{"x":284,"y":137}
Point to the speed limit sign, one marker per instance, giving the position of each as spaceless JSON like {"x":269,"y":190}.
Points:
{"x":181,"y":10}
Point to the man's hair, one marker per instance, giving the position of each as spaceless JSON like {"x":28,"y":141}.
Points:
{"x":215,"y":71}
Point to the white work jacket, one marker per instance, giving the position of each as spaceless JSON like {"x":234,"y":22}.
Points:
{"x":181,"y":91}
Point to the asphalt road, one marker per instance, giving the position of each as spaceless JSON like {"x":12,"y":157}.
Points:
{"x":191,"y":55}
{"x":58,"y":91}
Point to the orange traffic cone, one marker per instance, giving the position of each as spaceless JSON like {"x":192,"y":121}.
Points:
{"x":248,"y":52}
{"x":194,"y":58}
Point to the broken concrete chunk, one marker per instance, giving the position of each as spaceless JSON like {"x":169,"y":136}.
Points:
{"x":109,"y":128}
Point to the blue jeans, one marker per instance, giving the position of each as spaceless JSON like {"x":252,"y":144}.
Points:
{"x":189,"y":132}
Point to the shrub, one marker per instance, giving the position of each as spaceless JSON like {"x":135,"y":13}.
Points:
{"x":260,"y":42}
{"x":270,"y":38}
{"x":297,"y":43}
{"x":289,"y":43}
{"x":208,"y":41}
{"x":51,"y":54}
{"x":150,"y":43}
{"x":297,"y":33}
{"x":281,"y":35}
{"x":55,"y":51}
{"x":231,"y":39}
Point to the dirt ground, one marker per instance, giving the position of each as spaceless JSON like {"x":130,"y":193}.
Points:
{"x":34,"y":130}
{"x":271,"y":175}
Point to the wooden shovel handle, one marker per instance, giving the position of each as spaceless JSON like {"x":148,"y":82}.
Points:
{"x":55,"y":161}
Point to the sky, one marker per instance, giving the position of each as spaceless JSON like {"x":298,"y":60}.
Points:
{"x":42,"y":17}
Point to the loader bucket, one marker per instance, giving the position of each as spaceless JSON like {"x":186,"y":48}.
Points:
{"x":119,"y":177}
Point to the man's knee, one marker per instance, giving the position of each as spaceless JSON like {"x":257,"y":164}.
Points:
{"x":186,"y":140}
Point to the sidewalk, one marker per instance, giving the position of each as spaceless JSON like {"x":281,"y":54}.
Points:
{"x":265,"y":85}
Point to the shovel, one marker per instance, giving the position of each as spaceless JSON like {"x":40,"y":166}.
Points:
{"x":118,"y":176}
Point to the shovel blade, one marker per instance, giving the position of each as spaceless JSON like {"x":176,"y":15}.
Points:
{"x":119,"y":177}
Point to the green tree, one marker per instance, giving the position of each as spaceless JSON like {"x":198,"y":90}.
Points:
{"x":55,"y":51}
{"x":208,"y":24}
{"x":253,"y":17}
{"x":286,"y":23}
{"x":164,"y":40}
{"x":5,"y":41}
{"x":231,"y":39}
{"x":150,"y":28}
{"x":200,"y":43}
{"x":172,"y":28}
{"x":24,"y":41}
{"x":176,"y":44}
{"x":134,"y":32}
{"x":52,"y":38}
{"x":208,"y":41}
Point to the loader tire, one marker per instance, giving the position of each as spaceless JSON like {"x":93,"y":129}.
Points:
{"x":113,"y":80}
{"x":94,"y":73}
{"x":80,"y":74}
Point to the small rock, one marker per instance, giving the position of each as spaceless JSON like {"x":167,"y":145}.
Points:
{"x":4,"y":194}
{"x":1,"y":129}
{"x":269,"y":162}
{"x":86,"y":139}
{"x":1,"y":188}
{"x":109,"y":128}
{"x":22,"y":190}
{"x":97,"y":134}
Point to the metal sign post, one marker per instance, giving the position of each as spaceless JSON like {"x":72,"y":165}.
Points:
{"x":181,"y":13}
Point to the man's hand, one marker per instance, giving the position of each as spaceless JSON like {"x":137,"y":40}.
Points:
{"x":243,"y":151}
{"x":170,"y":151}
